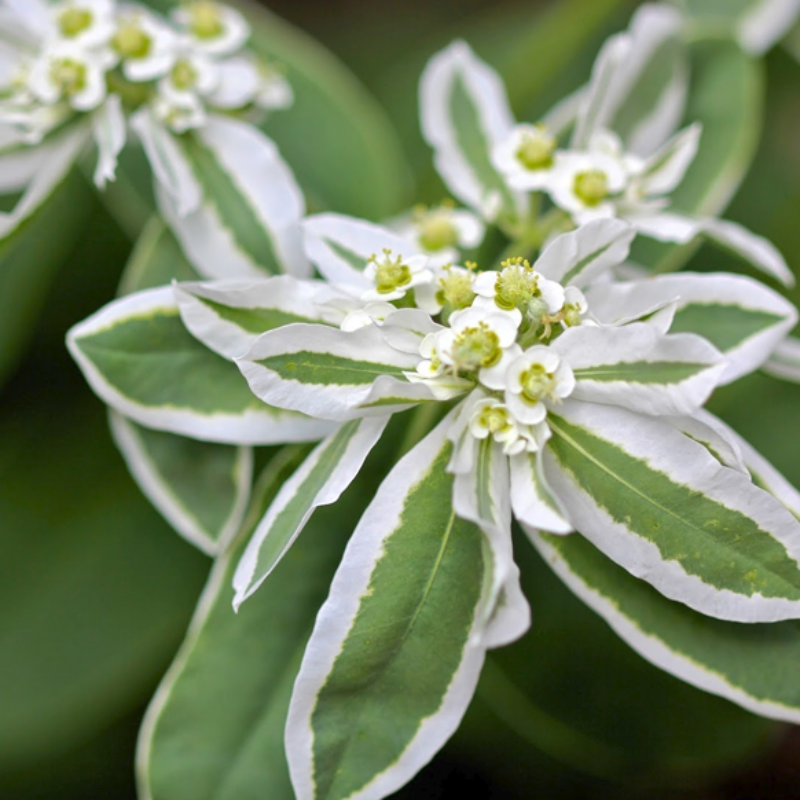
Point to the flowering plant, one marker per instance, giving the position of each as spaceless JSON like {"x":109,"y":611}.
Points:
{"x":537,"y":368}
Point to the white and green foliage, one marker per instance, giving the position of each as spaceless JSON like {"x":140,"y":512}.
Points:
{"x":555,"y":390}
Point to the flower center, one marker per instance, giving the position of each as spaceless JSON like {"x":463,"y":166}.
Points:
{"x":205,"y":20}
{"x":516,"y":284}
{"x":494,"y":419}
{"x":69,"y":75}
{"x":591,"y":187}
{"x":536,"y":383}
{"x":74,"y":21}
{"x":390,"y":274}
{"x":130,"y":41}
{"x":535,"y":151}
{"x":477,"y":347}
{"x":183,"y":75}
{"x":455,"y":290}
{"x":437,"y":232}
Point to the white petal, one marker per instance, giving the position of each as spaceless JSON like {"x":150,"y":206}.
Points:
{"x":108,"y":123}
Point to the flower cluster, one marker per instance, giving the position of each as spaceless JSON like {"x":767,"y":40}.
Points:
{"x":74,"y":55}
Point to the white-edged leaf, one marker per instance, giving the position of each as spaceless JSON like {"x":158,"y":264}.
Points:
{"x":172,"y":174}
{"x":340,"y":246}
{"x":229,"y":316}
{"x":54,"y":158}
{"x":662,"y":506}
{"x":580,"y":256}
{"x":108,"y":126}
{"x":715,"y":436}
{"x":232,"y":677}
{"x":247,"y":221}
{"x":139,"y":358}
{"x":750,"y":665}
{"x":370,"y":706}
{"x":637,"y":367}
{"x":319,"y":481}
{"x":665,"y":169}
{"x":329,"y":373}
{"x":464,"y":114}
{"x":481,"y":495}
{"x":623,"y":67}
{"x":741,"y":317}
{"x":784,"y":362}
{"x":754,"y":249}
{"x":200,"y":488}
{"x":534,"y":504}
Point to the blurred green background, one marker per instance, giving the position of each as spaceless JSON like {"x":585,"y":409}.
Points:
{"x":96,"y":591}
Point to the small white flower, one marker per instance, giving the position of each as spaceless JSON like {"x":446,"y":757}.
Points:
{"x":144,"y":45}
{"x":212,"y":28}
{"x":478,"y":341}
{"x":518,"y":290}
{"x":586,"y":183}
{"x":392,"y":276}
{"x":442,"y":231}
{"x":490,"y":417}
{"x":526,"y":157}
{"x":537,"y":376}
{"x":451,"y":287}
{"x":84,"y":23}
{"x":192,"y":73}
{"x":66,"y":72}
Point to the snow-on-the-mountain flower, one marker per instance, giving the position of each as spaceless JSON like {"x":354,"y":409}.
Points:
{"x":82,"y":71}
{"x":596,"y":174}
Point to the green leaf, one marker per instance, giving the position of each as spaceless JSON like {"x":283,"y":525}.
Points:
{"x":138,"y":356}
{"x":660,"y":505}
{"x":747,"y":664}
{"x":214,"y":730}
{"x":356,"y":138}
{"x":95,"y":593}
{"x":371,"y":705}
{"x":201,"y":488}
{"x":29,"y":259}
{"x":156,"y":260}
{"x":726,"y":97}
{"x":319,"y":481}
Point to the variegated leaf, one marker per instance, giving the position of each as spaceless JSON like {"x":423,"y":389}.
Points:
{"x":662,"y":506}
{"x":580,"y":256}
{"x":748,"y":664}
{"x":229,"y":316}
{"x":331,"y":374}
{"x":637,"y":367}
{"x":370,"y":705}
{"x":741,"y":317}
{"x":464,"y":115}
{"x":320,"y":480}
{"x":341,"y":246}
{"x":140,"y":359}
{"x":245,"y":221}
{"x":201,"y":488}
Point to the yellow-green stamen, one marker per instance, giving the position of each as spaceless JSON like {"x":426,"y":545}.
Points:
{"x":390,"y":274}
{"x":591,"y":187}
{"x":69,"y":75}
{"x":130,"y":41}
{"x":477,"y":347}
{"x":205,"y":20}
{"x":74,"y":21}
{"x":535,"y":150}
